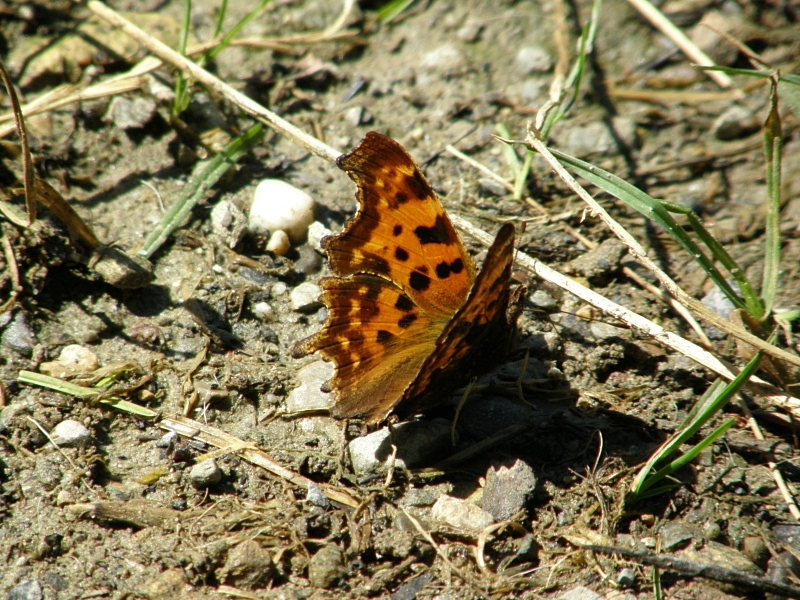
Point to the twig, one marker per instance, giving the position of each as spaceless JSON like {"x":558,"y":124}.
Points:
{"x":695,"y":569}
{"x":27,"y":164}
{"x":687,"y":46}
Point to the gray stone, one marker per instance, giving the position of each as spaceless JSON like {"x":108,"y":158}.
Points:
{"x":460,"y":515}
{"x":308,"y":261}
{"x":543,"y":300}
{"x":130,"y":114}
{"x":675,"y":533}
{"x":626,"y":578}
{"x":722,"y":556}
{"x":326,"y":567}
{"x":247,"y":566}
{"x":315,"y":496}
{"x":18,"y":336}
{"x":492,"y":186}
{"x":418,"y":443}
{"x":308,"y":397}
{"x":470,"y":32}
{"x":229,"y":223}
{"x":305,"y":297}
{"x":736,"y":122}
{"x":533,"y":59}
{"x":28,"y":589}
{"x":581,"y":593}
{"x":70,"y":433}
{"x":507,"y":489}
{"x":601,"y":262}
{"x":446,"y":60}
{"x":205,"y":474}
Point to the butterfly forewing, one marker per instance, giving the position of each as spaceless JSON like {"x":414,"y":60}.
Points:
{"x":401,"y":231}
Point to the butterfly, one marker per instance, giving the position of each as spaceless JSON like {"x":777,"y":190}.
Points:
{"x":410,"y":318}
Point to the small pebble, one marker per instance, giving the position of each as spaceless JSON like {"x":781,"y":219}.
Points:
{"x":533,"y":59}
{"x":229,"y":223}
{"x":18,"y":336}
{"x":28,"y":589}
{"x":130,"y":114}
{"x":308,"y":261}
{"x":316,"y":232}
{"x":353,"y":116}
{"x":248,"y":566}
{"x":735,"y":123}
{"x":70,"y":433}
{"x":308,"y":397}
{"x":278,"y":289}
{"x":418,"y":443}
{"x":279,"y":243}
{"x":279,"y":205}
{"x":167,"y":440}
{"x":305,"y":297}
{"x":264,"y":311}
{"x":205,"y":474}
{"x":461,"y":515}
{"x":326,"y":567}
{"x":446,"y":60}
{"x":470,"y":32}
{"x":315,"y":496}
{"x":626,"y":578}
{"x":492,"y":186}
{"x":543,"y":300}
{"x":507,"y":489}
{"x":73,"y":360}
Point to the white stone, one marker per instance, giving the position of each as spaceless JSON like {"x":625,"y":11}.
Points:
{"x":308,"y":396}
{"x":316,"y":232}
{"x":70,"y":433}
{"x":205,"y":474}
{"x":264,"y":311}
{"x":73,"y":360}
{"x":279,"y":243}
{"x":305,"y":297}
{"x":533,"y":59}
{"x":278,"y":290}
{"x":460,"y":514}
{"x":279,"y":205}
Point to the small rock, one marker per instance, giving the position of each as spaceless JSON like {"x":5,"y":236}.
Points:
{"x":492,"y":186}
{"x":229,"y":223}
{"x":169,"y":585}
{"x":676,"y":533}
{"x":130,"y":114}
{"x":247,"y":566}
{"x":716,"y":301}
{"x":484,"y":419}
{"x":205,"y":474}
{"x":278,"y":289}
{"x":779,"y":568}
{"x":735,"y":123}
{"x":507,"y":489}
{"x":353,"y":116}
{"x":581,"y":593}
{"x":305,"y":297}
{"x":446,"y":60}
{"x":73,"y":360}
{"x":590,"y":139}
{"x":264,"y":311}
{"x":121,"y":270}
{"x":279,"y":243}
{"x":533,"y":59}
{"x":167,"y":440}
{"x":470,"y":32}
{"x":417,"y":442}
{"x":28,"y":589}
{"x":308,"y":262}
{"x":461,"y":515}
{"x":754,"y":548}
{"x":279,"y":205}
{"x":48,"y":473}
{"x":626,"y":578}
{"x":315,"y":496}
{"x":326,"y":567}
{"x":722,"y":556}
{"x":606,"y":331}
{"x":316,"y":233}
{"x":64,"y":497}
{"x":70,"y":433}
{"x":543,"y":300}
{"x":18,"y":336}
{"x":602,"y":262}
{"x":308,"y":397}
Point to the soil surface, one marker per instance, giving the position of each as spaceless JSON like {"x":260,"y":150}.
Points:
{"x":126,"y":509}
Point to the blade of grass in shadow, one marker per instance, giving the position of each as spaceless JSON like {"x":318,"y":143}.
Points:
{"x":773,"y":140}
{"x":715,"y":398}
{"x":520,"y":170}
{"x":77,"y":391}
{"x":182,"y":96}
{"x":195,"y":189}
{"x":235,"y":31}
{"x":657,"y":211}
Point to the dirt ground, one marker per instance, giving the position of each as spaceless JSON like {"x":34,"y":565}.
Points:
{"x":127,"y":513}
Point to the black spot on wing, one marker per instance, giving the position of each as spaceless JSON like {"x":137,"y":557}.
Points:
{"x":404,"y":303}
{"x":457,"y":266}
{"x":401,"y":254}
{"x":419,"y":281}
{"x":438,"y":233}
{"x":397,"y":230}
{"x":383,"y":336}
{"x":378,"y":264}
{"x":417,"y":184}
{"x":406,"y":321}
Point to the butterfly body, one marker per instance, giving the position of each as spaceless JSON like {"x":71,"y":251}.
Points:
{"x":410,"y":317}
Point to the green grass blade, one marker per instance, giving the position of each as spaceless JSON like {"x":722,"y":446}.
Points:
{"x":773,"y":140}
{"x":645,"y":479}
{"x":236,"y":29}
{"x":182,"y":96}
{"x":392,"y":10}
{"x":654,"y":210}
{"x":196,"y":188}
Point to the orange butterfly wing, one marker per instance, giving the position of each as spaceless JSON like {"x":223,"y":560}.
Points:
{"x":402,"y":275}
